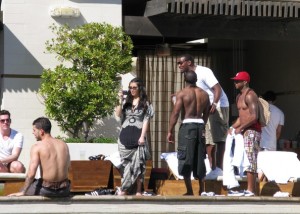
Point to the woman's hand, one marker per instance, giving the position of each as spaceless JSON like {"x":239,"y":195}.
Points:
{"x":121,"y":95}
{"x":141,"y":141}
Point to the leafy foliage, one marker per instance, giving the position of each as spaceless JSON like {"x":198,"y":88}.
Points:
{"x":84,"y":86}
{"x":93,"y":140}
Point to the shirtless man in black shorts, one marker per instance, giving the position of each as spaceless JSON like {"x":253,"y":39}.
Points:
{"x":53,"y":158}
{"x":193,"y":103}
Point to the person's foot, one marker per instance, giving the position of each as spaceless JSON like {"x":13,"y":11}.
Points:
{"x":119,"y":191}
{"x":122,"y":193}
{"x":138,"y":194}
{"x":207,"y":194}
{"x":248,"y":193}
{"x":187,"y":194}
{"x":235,"y":193}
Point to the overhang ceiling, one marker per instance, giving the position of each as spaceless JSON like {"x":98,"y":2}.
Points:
{"x":185,"y":20}
{"x":1,"y":22}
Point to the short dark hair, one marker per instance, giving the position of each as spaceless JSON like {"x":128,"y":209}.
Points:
{"x":188,"y":57}
{"x":269,"y":96}
{"x":43,"y":123}
{"x":5,"y":112}
{"x":190,"y":77}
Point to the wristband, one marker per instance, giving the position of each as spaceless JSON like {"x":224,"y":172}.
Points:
{"x":215,"y":104}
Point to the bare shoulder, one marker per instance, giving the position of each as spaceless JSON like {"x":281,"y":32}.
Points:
{"x":181,"y":93}
{"x":201,"y":91}
{"x":251,"y":94}
{"x":59,"y":142}
{"x":37,"y":146}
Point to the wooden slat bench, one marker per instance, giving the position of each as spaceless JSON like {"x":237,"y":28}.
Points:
{"x":11,"y":182}
{"x":89,"y":175}
{"x":270,"y":188}
{"x":174,"y":187}
{"x":177,"y":187}
{"x":217,"y":187}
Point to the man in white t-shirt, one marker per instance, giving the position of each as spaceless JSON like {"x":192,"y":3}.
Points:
{"x":271,"y":133}
{"x":11,"y":144}
{"x":217,"y":126}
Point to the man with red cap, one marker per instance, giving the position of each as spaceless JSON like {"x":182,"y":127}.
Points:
{"x":247,"y":124}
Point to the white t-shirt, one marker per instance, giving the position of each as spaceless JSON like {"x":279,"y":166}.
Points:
{"x":6,"y":146}
{"x":268,"y":135}
{"x":206,"y":80}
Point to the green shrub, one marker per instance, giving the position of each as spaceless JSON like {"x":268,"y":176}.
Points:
{"x":83,"y":87}
{"x":92,"y":140}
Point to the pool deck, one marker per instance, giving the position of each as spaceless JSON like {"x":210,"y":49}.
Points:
{"x":149,"y":204}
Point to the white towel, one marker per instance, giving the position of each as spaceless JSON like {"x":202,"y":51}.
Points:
{"x":172,"y":161}
{"x":279,"y":166}
{"x":115,"y":159}
{"x":238,"y":159}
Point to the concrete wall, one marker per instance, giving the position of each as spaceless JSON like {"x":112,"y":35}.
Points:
{"x":26,"y":29}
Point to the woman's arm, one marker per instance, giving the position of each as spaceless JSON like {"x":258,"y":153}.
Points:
{"x":118,"y":109}
{"x":144,"y":132}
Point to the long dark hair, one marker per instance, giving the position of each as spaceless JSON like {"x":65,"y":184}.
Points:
{"x":142,"y":94}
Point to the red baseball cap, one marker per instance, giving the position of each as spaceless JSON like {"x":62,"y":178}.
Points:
{"x":242,"y":75}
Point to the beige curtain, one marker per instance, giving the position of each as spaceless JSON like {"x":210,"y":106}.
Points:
{"x":163,"y":78}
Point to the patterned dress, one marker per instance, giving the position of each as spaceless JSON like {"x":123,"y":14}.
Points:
{"x":133,"y":156}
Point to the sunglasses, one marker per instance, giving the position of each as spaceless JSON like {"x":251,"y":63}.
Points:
{"x":180,"y":63}
{"x":5,"y":120}
{"x":238,"y":81}
{"x":133,"y":88}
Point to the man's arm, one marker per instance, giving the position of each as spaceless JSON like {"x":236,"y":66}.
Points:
{"x":206,"y":112}
{"x":217,"y":90}
{"x":278,"y":131}
{"x":33,"y":165}
{"x":174,"y":117}
{"x":13,"y":157}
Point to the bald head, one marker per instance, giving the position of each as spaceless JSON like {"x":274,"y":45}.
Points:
{"x":190,"y":77}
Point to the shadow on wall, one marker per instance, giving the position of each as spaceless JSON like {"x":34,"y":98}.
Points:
{"x":19,"y":63}
{"x":25,"y":73}
{"x":106,"y":127}
{"x":27,"y":66}
{"x":72,"y":22}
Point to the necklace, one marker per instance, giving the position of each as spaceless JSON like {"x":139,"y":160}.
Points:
{"x":135,"y":103}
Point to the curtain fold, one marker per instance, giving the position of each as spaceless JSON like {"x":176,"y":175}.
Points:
{"x":162,"y":78}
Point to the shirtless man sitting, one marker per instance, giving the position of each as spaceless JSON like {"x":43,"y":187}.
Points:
{"x":53,"y":158}
{"x":193,"y":103}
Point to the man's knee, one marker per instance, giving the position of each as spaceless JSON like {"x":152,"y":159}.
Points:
{"x":16,"y":167}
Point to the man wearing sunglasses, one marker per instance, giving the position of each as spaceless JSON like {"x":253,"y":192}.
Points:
{"x":11,"y":144}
